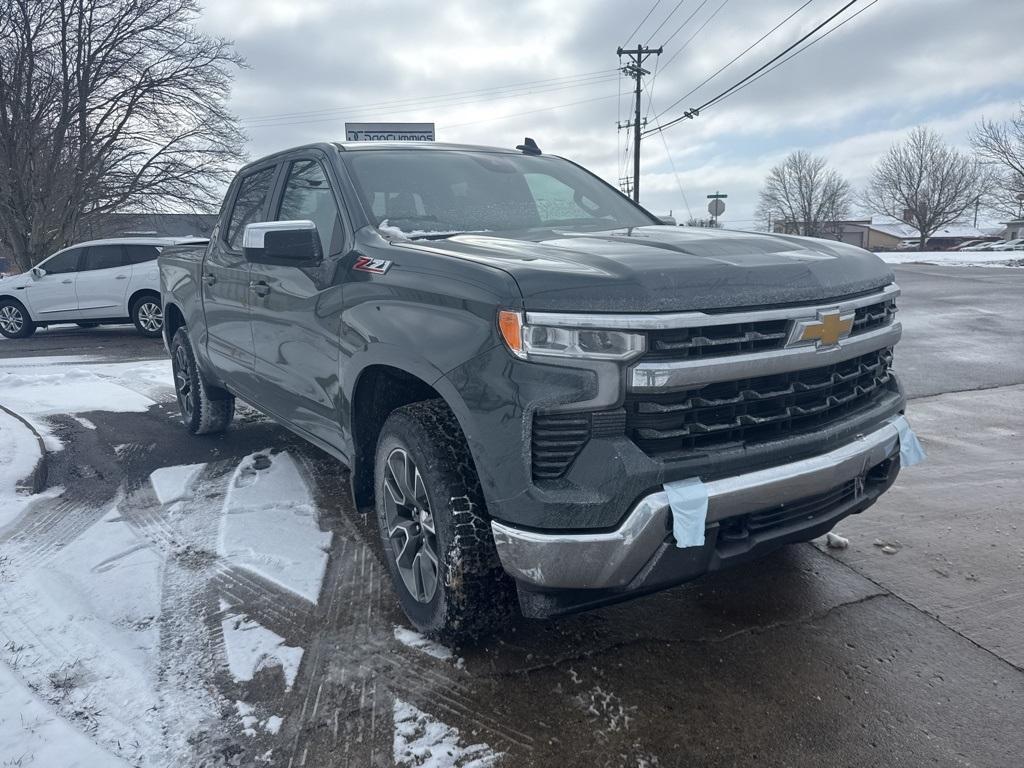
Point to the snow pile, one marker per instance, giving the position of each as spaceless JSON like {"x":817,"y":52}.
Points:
{"x":19,"y":453}
{"x":952,"y":258}
{"x":247,"y":714}
{"x":172,"y":484}
{"x":270,"y":525}
{"x":423,"y":742}
{"x":251,"y":647}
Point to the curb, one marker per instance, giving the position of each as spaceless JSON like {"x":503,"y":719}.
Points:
{"x":36,"y":480}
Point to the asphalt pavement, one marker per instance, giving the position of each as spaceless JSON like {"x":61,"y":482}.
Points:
{"x":811,"y":657}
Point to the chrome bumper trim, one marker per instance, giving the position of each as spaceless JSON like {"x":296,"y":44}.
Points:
{"x":683,"y":374}
{"x":664,"y":320}
{"x":614,"y":558}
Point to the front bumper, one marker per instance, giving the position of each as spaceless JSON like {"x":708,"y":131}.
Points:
{"x":632,"y":558}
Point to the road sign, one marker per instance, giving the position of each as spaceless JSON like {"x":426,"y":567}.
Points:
{"x":389,"y":131}
{"x":716,"y":207}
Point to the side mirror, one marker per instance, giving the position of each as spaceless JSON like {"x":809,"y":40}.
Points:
{"x":38,"y":272}
{"x":282,"y":243}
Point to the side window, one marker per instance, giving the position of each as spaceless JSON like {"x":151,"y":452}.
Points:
{"x":140,"y":254}
{"x":248,"y":206}
{"x":307,"y":195}
{"x":103,"y":257}
{"x":62,"y":263}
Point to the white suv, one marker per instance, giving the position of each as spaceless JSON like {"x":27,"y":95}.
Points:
{"x":101,"y":281}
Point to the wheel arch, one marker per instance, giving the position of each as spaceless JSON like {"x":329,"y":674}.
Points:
{"x":139,"y":294}
{"x":380,"y":389}
{"x":174,"y":319}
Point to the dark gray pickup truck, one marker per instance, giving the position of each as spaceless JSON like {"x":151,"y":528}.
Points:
{"x":546,"y":396}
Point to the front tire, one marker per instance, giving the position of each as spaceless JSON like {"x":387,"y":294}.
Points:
{"x":205,"y":409}
{"x":15,"y":322}
{"x":434,"y":529}
{"x":148,"y":316}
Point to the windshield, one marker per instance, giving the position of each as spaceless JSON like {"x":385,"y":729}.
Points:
{"x":421,"y":192}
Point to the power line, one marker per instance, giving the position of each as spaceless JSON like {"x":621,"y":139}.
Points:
{"x":699,"y":29}
{"x":690,"y":114}
{"x":644,"y":19}
{"x":363,"y":111}
{"x":685,"y":22}
{"x":546,"y":83}
{"x":801,"y":50}
{"x":664,"y":22}
{"x":679,"y":183}
{"x":736,"y":58}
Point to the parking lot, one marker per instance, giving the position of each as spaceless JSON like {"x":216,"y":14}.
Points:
{"x":233,"y":610}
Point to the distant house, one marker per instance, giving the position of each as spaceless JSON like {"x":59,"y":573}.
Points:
{"x":885,"y":233}
{"x":1013,"y":229}
{"x":148,"y":225}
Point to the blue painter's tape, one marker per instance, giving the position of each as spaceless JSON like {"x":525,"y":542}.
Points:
{"x":911,"y":452}
{"x":689,"y":502}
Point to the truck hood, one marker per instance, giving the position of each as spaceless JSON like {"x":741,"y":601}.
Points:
{"x":666,"y":268}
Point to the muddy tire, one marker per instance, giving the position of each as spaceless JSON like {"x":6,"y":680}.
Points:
{"x":148,"y":316}
{"x":205,"y":409}
{"x":15,"y":322}
{"x":434,"y":529}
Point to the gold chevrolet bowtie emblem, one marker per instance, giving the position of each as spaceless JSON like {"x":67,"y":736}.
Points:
{"x":827,"y":330}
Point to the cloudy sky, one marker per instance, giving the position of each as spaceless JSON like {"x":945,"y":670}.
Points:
{"x":491,"y":73}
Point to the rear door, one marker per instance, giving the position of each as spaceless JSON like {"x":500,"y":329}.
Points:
{"x":225,"y":278}
{"x":102,"y":285}
{"x":52,"y":297}
{"x":296,"y":312}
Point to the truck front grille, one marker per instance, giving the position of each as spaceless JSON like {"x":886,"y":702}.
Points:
{"x":756,"y":410}
{"x":744,"y":338}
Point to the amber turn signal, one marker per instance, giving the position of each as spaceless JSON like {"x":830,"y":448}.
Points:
{"x":511,"y":325}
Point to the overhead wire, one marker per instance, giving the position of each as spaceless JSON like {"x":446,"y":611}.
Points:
{"x":741,"y":83}
{"x":642,"y":22}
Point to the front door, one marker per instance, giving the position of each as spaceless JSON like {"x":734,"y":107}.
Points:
{"x":295,"y":321}
{"x":52,"y":297}
{"x":225,"y":284}
{"x":102,"y":285}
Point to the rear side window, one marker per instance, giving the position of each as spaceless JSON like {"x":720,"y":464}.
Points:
{"x":63,"y":263}
{"x":103,"y":257}
{"x":307,"y":195}
{"x":249,"y":204}
{"x":140,"y":254}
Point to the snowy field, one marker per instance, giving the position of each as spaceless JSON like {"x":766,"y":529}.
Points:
{"x":155,"y":625}
{"x":954,"y":258}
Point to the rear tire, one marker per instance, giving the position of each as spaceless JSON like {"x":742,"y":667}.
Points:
{"x":148,"y":316}
{"x":205,"y":409}
{"x":15,"y":322}
{"x":437,"y":538}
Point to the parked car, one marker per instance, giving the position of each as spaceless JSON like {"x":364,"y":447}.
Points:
{"x":541,"y":391}
{"x":971,"y":245}
{"x":1009,"y":245}
{"x":909,"y":244}
{"x":91,"y":284}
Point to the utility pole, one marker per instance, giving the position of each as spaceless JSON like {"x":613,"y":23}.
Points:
{"x":635,"y":69}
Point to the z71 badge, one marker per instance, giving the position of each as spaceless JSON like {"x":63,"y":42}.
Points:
{"x":374,"y":266}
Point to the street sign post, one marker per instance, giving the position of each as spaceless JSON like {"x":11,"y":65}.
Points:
{"x":716,"y":207}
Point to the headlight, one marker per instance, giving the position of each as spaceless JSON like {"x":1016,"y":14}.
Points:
{"x":526,"y":341}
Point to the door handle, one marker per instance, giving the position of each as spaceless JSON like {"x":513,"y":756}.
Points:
{"x":67,"y":282}
{"x":209,"y":278}
{"x":121,"y":277}
{"x":260,"y":288}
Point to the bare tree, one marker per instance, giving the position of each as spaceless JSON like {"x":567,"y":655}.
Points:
{"x":693,"y":221}
{"x":107,"y":105}
{"x":925,"y":182}
{"x":804,"y":193}
{"x":1001,"y":147}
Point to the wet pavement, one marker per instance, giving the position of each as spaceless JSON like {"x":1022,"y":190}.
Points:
{"x":811,"y":657}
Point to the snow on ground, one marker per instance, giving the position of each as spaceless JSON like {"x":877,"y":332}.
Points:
{"x":424,"y":742}
{"x":251,"y":647}
{"x":40,"y":387}
{"x":952,"y":258}
{"x":270,"y":525}
{"x":81,"y":630}
{"x":414,"y":639}
{"x":172,"y":484}
{"x":19,"y":452}
{"x":31,"y":735}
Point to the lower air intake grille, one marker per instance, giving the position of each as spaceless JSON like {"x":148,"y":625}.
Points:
{"x":557,"y":440}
